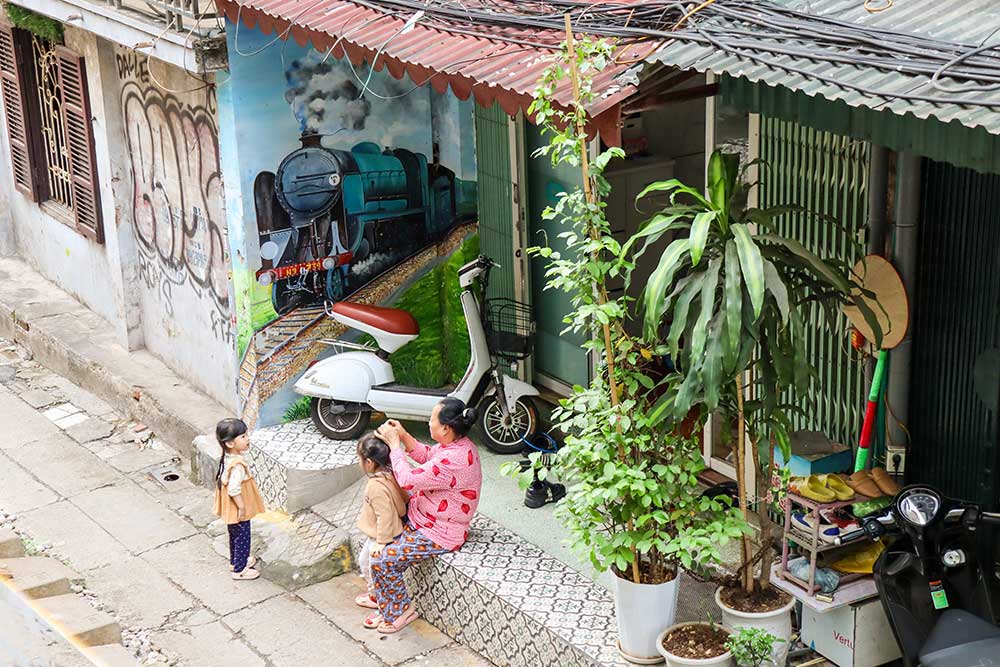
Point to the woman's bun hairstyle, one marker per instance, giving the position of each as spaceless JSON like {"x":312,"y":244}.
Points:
{"x":455,"y":414}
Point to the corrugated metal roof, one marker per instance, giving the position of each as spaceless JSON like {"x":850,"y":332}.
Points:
{"x":969,"y":23}
{"x":492,"y":70}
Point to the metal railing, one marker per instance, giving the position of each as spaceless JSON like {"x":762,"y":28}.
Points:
{"x":180,"y":15}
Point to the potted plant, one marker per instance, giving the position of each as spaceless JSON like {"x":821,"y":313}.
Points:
{"x":632,"y":500}
{"x":729,"y":292}
{"x":752,"y":647}
{"x":696,"y":643}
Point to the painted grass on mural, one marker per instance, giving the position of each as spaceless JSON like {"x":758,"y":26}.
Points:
{"x":441,"y":354}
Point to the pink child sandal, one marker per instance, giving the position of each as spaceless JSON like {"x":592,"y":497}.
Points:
{"x":367,"y":601}
{"x":387,"y":628}
{"x":372,"y":621}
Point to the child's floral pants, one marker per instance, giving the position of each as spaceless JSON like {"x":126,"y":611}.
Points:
{"x":409,"y":548}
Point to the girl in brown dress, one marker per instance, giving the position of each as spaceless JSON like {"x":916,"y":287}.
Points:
{"x":237,"y":499}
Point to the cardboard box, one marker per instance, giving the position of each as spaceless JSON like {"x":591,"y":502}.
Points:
{"x":855,"y":635}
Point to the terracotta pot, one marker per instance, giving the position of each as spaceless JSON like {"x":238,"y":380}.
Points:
{"x":777,"y":622}
{"x":642,"y":611}
{"x":677,"y":661}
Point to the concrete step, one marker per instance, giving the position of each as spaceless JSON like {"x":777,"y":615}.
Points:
{"x":10,"y":544}
{"x":37,"y":577}
{"x":78,"y":619}
{"x":113,"y":655}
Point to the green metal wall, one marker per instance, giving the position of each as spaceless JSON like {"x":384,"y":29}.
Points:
{"x":953,"y":142}
{"x":828,"y":174}
{"x":956,"y":319}
{"x":495,"y":200}
{"x":557,"y":354}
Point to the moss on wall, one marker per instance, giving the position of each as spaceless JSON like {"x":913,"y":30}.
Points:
{"x":36,"y":24}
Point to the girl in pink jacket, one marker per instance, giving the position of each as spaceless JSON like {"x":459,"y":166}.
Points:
{"x":444,"y":492}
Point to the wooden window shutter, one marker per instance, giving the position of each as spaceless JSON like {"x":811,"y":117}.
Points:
{"x":16,"y":79}
{"x":80,"y":141}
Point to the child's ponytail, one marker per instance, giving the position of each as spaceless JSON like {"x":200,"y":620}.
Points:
{"x":227,"y":430}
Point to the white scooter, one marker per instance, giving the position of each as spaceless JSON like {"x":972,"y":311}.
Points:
{"x":347,"y":387}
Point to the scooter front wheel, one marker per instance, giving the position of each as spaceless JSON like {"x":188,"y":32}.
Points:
{"x":503,"y":435}
{"x":335,"y":422}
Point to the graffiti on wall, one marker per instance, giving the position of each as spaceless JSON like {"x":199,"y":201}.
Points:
{"x":176,"y":202}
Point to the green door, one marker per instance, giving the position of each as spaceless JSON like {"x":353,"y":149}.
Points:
{"x":956,"y":336}
{"x":495,"y":195}
{"x":828,"y":174}
{"x":557,"y":355}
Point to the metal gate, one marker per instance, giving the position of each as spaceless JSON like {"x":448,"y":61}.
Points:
{"x":956,"y":333}
{"x":496,"y":201}
{"x":825,"y":173}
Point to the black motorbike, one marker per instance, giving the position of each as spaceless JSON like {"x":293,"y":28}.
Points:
{"x":938,"y":578}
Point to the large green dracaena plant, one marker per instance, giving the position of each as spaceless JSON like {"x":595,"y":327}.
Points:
{"x":729,"y":292}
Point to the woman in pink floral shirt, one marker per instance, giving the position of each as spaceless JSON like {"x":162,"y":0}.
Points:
{"x":444,"y":492}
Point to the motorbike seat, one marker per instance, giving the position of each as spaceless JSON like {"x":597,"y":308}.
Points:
{"x":960,"y":639}
{"x":389,"y":320}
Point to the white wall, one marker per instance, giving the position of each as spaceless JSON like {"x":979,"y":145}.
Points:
{"x":171,"y":199}
{"x":77,"y":264}
{"x":161,"y":279}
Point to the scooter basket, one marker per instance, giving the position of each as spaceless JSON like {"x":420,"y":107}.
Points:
{"x":509,"y":327}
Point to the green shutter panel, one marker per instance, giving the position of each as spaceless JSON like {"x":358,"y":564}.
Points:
{"x":827,"y":173}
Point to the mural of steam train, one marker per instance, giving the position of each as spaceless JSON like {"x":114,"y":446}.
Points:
{"x":330,"y":220}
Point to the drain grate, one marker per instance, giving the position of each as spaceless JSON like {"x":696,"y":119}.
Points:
{"x":166,"y":474}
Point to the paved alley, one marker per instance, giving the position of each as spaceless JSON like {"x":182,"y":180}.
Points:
{"x":82,"y":483}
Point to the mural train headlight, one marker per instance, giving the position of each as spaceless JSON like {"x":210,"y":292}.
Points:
{"x":331,"y":220}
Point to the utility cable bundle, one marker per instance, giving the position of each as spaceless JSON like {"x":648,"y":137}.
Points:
{"x":760,"y":31}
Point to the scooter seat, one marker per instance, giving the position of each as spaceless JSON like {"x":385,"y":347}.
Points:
{"x":960,"y":639}
{"x":389,"y":320}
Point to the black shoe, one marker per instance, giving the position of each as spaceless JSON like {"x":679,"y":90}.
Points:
{"x":543,"y":493}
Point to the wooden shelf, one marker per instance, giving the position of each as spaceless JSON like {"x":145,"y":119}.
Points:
{"x":809,"y":541}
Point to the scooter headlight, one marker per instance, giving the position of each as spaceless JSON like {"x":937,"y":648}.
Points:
{"x":919,"y":506}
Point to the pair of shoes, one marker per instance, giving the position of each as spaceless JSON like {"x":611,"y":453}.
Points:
{"x":841,"y":519}
{"x":874,"y":483}
{"x":250,"y":563}
{"x":822,"y":488}
{"x":366,"y":600}
{"x":805,"y":523}
{"x":246,"y":574}
{"x":542,"y":493}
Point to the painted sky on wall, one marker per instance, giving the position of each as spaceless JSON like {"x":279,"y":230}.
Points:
{"x":281,"y":88}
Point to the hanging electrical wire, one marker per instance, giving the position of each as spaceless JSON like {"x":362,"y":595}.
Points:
{"x":763,"y":32}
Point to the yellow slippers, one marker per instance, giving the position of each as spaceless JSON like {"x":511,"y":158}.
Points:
{"x":835,"y":484}
{"x":813,"y":488}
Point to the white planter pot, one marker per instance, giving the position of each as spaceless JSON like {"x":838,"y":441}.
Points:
{"x":677,"y":661}
{"x":643,"y":610}
{"x":777,"y":622}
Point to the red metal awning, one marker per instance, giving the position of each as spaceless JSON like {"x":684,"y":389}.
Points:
{"x":492,"y":70}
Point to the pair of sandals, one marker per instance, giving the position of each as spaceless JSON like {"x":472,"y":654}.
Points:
{"x":248,"y":573}
{"x":374,"y":621}
{"x":873,"y":483}
{"x":822,"y":488}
